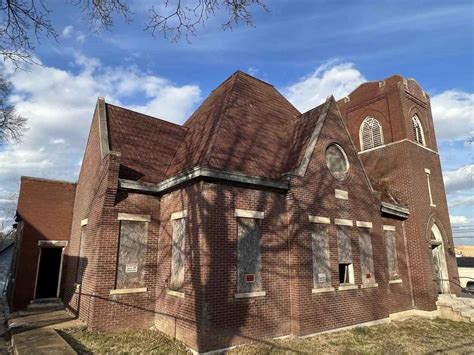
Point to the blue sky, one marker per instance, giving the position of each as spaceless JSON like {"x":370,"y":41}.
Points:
{"x":321,"y":47}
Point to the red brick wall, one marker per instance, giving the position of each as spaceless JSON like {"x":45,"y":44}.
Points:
{"x":314,"y":194}
{"x":45,"y":206}
{"x":89,"y":202}
{"x":227,"y":320}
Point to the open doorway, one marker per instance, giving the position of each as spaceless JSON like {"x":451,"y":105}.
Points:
{"x":49,"y":272}
{"x":440,"y":267}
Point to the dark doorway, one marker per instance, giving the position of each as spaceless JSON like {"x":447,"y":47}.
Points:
{"x":48,"y":273}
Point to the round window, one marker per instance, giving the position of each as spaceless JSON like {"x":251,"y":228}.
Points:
{"x":337,"y":162}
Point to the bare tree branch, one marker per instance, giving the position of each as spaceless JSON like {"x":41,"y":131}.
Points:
{"x":12,"y":125}
{"x":102,"y":12}
{"x":22,"y":23}
{"x":184,"y":18}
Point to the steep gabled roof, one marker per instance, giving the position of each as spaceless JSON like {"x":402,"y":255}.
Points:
{"x":147,"y":144}
{"x":240,"y":127}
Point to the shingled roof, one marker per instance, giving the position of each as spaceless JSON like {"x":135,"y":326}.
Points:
{"x":240,"y":127}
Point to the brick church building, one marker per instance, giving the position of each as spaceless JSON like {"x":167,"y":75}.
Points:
{"x":250,"y":220}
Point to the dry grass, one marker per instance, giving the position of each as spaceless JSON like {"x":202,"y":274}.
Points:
{"x":412,"y":336}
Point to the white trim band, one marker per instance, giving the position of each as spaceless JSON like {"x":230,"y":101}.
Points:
{"x":123,"y":291}
{"x":341,"y":194}
{"x":179,"y":214}
{"x":343,"y":222}
{"x":323,"y":290}
{"x":249,"y":214}
{"x":84,"y":222}
{"x":362,"y":224}
{"x":175,"y":293}
{"x":133,"y":217}
{"x":251,"y":294}
{"x":348,"y":287}
{"x":319,"y":219}
{"x":388,"y":228}
{"x":52,"y":243}
{"x":369,"y":285}
{"x":397,"y":281}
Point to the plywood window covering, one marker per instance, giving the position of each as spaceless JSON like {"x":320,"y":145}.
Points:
{"x":418,"y":130}
{"x":131,"y":259}
{"x":370,"y":133}
{"x":178,"y":254}
{"x":249,"y":275}
{"x":344,"y":248}
{"x":366,"y":256}
{"x":392,"y":260}
{"x":321,"y":260}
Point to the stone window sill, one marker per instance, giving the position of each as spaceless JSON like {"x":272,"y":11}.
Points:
{"x":123,"y":291}
{"x":370,"y":285}
{"x":175,"y":293}
{"x":323,"y":289}
{"x":347,"y":287}
{"x":397,"y":281}
{"x":251,"y":294}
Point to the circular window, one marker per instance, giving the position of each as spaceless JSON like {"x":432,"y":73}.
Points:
{"x":337,"y":162}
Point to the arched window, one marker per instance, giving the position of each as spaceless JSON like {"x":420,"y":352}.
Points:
{"x":417,"y":130}
{"x":370,"y":133}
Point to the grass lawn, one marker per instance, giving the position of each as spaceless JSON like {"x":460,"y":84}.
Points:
{"x":409,"y":336}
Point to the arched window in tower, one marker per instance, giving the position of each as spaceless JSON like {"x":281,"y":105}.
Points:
{"x":370,"y":133}
{"x":417,"y":130}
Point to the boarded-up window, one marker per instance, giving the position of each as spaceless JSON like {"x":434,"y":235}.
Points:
{"x":321,"y":260}
{"x":81,"y":262}
{"x":132,"y":249}
{"x":392,"y":259}
{"x":177,"y":254}
{"x":366,"y":257}
{"x":249,"y":277}
{"x":344,"y":248}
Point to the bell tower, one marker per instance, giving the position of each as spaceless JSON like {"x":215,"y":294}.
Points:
{"x":391,"y":125}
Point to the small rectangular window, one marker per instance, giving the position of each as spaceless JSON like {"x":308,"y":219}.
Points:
{"x":366,"y":257}
{"x":346,"y":273}
{"x":392,"y":259}
{"x":249,"y":277}
{"x":321,"y":260}
{"x":344,"y":247}
{"x":178,"y":254}
{"x":131,"y":258}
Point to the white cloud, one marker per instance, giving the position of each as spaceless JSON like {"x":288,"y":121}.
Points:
{"x":330,"y":78}
{"x":59,"y":105}
{"x":460,"y":179}
{"x":453,"y":114}
{"x":67,"y":31}
{"x":460,"y":220}
{"x":460,"y":201}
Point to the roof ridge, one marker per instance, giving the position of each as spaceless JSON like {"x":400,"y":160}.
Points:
{"x":210,"y":147}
